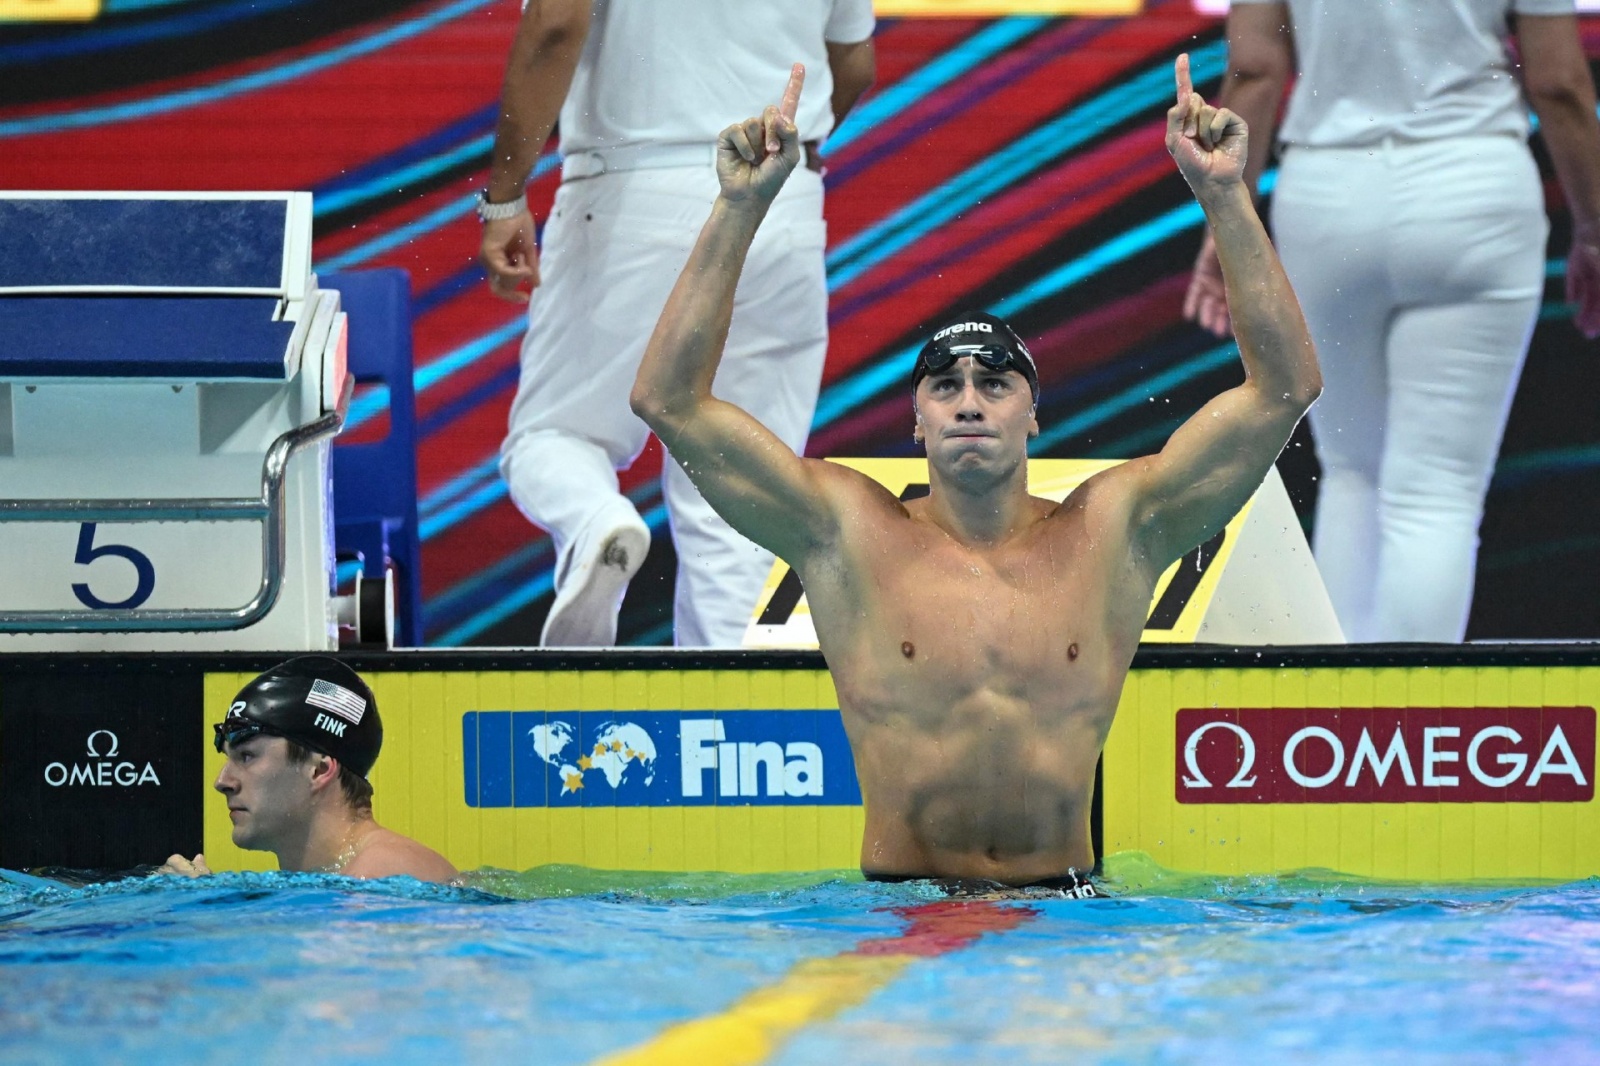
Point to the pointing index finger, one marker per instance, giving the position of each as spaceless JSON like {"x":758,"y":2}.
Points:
{"x":791,"y":92}
{"x":1185,"y":86}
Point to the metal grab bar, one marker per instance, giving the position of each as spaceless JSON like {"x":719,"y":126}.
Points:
{"x":268,"y":510}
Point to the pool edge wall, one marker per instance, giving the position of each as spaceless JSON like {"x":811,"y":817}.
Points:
{"x":105,"y":760}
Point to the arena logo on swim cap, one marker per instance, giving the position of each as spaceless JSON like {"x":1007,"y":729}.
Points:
{"x":1385,"y":755}
{"x":964,"y":327}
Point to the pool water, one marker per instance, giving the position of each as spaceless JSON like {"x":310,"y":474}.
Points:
{"x":564,"y":965}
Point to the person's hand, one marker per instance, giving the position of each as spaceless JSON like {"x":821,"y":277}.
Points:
{"x":1206,"y":302}
{"x":1583,"y":278}
{"x":511,"y":257}
{"x":178,"y":866}
{"x":755,"y":157}
{"x":1210,"y":144}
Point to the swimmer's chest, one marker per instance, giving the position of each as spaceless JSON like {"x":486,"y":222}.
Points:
{"x":1028,"y":614}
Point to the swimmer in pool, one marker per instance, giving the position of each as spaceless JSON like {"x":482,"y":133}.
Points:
{"x":979,"y":637}
{"x":300,"y":741}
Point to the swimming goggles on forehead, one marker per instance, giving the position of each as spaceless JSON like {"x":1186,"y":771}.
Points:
{"x":936,"y":359}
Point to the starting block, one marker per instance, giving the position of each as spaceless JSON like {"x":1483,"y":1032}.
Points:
{"x":170,"y":380}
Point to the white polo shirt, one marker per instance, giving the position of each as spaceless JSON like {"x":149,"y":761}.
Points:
{"x":1411,"y":69}
{"x":680,"y":71}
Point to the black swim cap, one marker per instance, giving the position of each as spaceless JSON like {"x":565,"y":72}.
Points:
{"x":315,"y":701}
{"x":988,"y":339}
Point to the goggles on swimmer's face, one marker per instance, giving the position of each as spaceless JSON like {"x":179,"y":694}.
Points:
{"x":989,"y":341}
{"x":237,"y":731}
{"x":990,"y":355}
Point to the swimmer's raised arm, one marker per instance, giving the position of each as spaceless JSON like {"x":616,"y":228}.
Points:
{"x":745,"y":472}
{"x":1260,"y":64}
{"x":1216,"y":459}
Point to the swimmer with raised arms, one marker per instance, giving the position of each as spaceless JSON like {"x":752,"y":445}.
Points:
{"x":301,"y":740}
{"x":979,"y":637}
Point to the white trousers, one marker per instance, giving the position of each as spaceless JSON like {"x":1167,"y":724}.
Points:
{"x":1421,"y":270}
{"x":613,"y":248}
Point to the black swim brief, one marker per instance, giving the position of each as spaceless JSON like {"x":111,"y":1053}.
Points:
{"x":1071,"y":886}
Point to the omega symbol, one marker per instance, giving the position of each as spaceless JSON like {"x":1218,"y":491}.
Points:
{"x":93,"y":754}
{"x":1190,"y":750}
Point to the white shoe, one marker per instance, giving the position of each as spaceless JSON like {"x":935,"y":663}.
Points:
{"x":592,"y":576}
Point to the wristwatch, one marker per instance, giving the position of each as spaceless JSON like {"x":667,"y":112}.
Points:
{"x":493,"y":212}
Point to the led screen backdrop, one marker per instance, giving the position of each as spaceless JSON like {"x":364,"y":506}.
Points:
{"x":1012,"y":162}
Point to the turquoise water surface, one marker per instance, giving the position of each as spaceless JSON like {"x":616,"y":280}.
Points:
{"x":563,"y":965}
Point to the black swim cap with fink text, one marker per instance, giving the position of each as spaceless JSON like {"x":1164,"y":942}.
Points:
{"x":315,"y":701}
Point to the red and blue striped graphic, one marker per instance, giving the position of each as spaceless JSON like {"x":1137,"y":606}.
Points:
{"x":1014,"y":164}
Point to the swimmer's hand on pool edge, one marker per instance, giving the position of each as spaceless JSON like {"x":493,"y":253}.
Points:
{"x":178,"y":866}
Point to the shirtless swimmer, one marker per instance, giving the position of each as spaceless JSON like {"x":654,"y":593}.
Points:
{"x":979,"y":637}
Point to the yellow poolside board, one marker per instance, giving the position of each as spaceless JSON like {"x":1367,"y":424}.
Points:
{"x":1145,"y":773}
{"x":49,"y":10}
{"x":419,"y":790}
{"x":421,"y":777}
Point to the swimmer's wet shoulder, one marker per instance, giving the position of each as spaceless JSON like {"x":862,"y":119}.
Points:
{"x":385,"y":853}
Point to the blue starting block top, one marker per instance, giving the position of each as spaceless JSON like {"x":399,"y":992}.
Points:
{"x":127,"y":285}
{"x":198,"y":245}
{"x":205,"y":338}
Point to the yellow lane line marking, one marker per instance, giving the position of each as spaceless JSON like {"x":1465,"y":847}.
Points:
{"x":754,"y":1027}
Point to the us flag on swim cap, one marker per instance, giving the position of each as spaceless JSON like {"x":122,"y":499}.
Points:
{"x":338,"y":699}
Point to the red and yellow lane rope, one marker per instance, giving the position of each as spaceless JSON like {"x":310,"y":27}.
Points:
{"x":755,"y":1026}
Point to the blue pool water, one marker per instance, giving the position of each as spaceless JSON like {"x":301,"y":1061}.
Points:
{"x":563,"y":966}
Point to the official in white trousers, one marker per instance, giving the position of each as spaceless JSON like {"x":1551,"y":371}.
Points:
{"x":615,"y":244}
{"x":1422,"y":304}
{"x":642,"y":89}
{"x":1410,"y":217}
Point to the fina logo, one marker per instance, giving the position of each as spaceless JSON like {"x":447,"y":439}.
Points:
{"x":100,"y":771}
{"x":622,"y":751}
{"x":646,"y":758}
{"x":793,"y":769}
{"x":625,"y":751}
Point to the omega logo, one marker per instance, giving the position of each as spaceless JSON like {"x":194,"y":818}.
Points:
{"x":109,"y":754}
{"x":1387,"y":755}
{"x":99,"y":770}
{"x":1196,"y":779}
